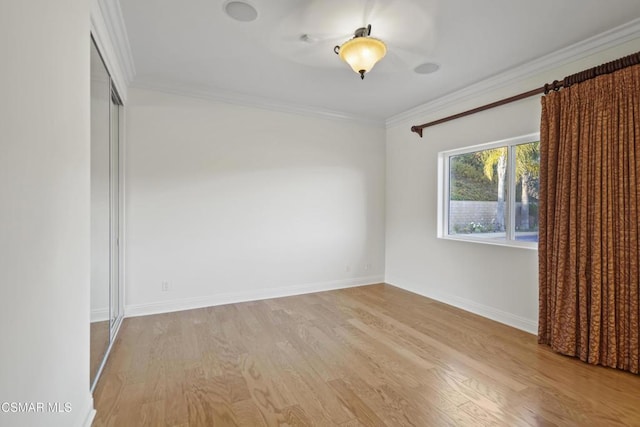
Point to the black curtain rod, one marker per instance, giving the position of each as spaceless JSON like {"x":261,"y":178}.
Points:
{"x":568,"y":81}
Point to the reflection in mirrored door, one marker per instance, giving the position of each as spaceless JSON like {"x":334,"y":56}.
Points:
{"x":106,"y":312}
{"x":100,"y":227}
{"x":114,"y":304}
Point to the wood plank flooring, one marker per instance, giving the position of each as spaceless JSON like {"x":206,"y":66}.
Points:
{"x":367,"y":356}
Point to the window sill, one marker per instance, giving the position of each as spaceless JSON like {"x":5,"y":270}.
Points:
{"x":492,"y":241}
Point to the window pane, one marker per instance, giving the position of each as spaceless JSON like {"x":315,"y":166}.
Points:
{"x":477,"y":193}
{"x":527,"y":191}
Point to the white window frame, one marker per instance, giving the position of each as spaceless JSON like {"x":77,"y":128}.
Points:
{"x":510,"y":212}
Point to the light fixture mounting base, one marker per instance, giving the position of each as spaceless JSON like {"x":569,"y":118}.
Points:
{"x":362,"y":31}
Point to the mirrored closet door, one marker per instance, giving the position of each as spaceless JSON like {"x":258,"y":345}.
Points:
{"x":106,"y":295}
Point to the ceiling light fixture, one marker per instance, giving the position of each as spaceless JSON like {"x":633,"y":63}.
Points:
{"x":361,"y":52}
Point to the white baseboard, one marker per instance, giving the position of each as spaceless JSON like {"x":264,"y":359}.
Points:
{"x":510,"y":319}
{"x":87,"y":413}
{"x":100,"y":315}
{"x":244,"y":296}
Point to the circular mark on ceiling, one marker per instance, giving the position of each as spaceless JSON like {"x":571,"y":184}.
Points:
{"x":426,"y":68}
{"x":241,"y":11}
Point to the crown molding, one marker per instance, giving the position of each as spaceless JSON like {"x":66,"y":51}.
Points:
{"x":110,"y":33}
{"x":257,"y":102}
{"x":575,"y":52}
{"x":118,"y":32}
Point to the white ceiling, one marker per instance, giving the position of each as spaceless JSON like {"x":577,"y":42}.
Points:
{"x":194,"y":47}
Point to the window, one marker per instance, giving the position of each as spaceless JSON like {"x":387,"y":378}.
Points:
{"x":489,"y":193}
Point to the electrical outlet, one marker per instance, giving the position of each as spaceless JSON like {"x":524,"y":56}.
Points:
{"x":347,"y":268}
{"x":367,"y":267}
{"x":165,"y":286}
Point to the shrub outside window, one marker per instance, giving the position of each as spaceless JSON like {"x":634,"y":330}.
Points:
{"x":489,"y":193}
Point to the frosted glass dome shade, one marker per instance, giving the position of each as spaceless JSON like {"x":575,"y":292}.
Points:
{"x":362,"y":53}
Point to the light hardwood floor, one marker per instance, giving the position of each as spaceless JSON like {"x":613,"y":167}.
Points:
{"x":368,"y":356}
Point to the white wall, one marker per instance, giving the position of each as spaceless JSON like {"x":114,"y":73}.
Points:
{"x":44,"y":189}
{"x":497,"y":282}
{"x":229,"y":203}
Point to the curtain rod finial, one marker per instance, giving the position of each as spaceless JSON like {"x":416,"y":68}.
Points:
{"x":417,"y":130}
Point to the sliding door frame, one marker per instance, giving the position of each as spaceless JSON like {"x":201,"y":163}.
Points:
{"x":116,"y":215}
